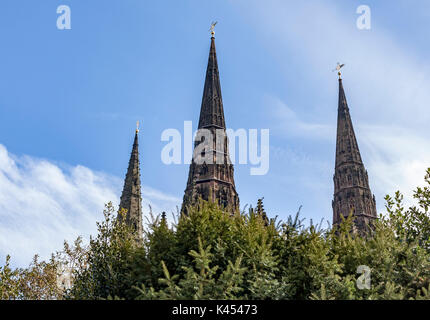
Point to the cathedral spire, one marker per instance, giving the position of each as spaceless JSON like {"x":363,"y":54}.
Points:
{"x":345,"y":133}
{"x":131,"y":198}
{"x":352,"y":193}
{"x":212,"y":113}
{"x":212,"y":180}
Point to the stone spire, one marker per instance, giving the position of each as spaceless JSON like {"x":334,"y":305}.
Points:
{"x":212,"y":112}
{"x":351,"y":184}
{"x":212,"y":177}
{"x":131,"y":198}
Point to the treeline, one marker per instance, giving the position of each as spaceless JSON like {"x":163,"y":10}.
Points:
{"x":211,"y":254}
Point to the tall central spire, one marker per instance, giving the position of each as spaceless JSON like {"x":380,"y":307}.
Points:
{"x":212,"y":181}
{"x":212,"y":113}
{"x":352,"y":193}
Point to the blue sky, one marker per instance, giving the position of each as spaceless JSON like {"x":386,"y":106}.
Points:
{"x":69,"y":100}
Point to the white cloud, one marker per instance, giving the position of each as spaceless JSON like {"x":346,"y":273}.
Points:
{"x":41,"y":204}
{"x":397,"y":159}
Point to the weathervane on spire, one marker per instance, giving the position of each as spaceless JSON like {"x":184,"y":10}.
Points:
{"x":338,"y":67}
{"x":212,"y":29}
{"x":137,"y":126}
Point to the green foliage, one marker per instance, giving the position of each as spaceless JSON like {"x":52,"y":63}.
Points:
{"x":110,"y":263}
{"x":160,"y":244}
{"x":213,"y":254}
{"x":37,"y":282}
{"x":9,"y":288}
{"x":412,"y":224}
{"x":201,"y":281}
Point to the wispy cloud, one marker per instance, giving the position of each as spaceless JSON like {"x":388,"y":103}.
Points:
{"x":386,"y":85}
{"x":288,"y":122}
{"x":42,"y":204}
{"x":389,"y":80}
{"x":397,"y":158}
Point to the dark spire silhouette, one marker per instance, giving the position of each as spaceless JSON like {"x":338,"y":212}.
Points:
{"x":131,"y":198}
{"x":211,"y":112}
{"x":345,"y":133}
{"x":352,"y":193}
{"x":212,"y":181}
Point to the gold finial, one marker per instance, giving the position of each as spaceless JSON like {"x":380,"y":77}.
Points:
{"x":338,"y":67}
{"x":212,"y":29}
{"x":137,"y":126}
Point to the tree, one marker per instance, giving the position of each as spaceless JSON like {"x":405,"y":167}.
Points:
{"x":108,"y":266}
{"x":211,"y":254}
{"x":9,"y":288}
